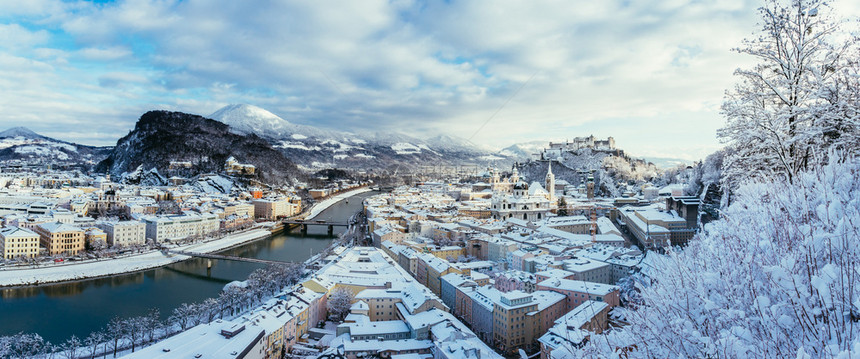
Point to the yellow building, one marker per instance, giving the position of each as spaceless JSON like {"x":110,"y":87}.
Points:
{"x":447,"y":252}
{"x":512,"y":326}
{"x":436,"y":268}
{"x":18,"y":242}
{"x":238,"y":209}
{"x":60,"y":238}
{"x":274,"y":208}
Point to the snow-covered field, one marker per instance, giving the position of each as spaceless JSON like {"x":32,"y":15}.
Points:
{"x":107,"y":267}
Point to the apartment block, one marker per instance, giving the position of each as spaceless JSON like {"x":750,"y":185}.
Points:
{"x":167,"y":228}
{"x":61,"y":239}
{"x":124,"y":233}
{"x":18,"y":242}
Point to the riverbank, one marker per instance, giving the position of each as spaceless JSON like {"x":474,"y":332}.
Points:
{"x":73,"y":271}
{"x":328,"y":202}
{"x":54,"y":273}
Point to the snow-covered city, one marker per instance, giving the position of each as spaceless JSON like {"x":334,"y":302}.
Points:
{"x":429,"y":179}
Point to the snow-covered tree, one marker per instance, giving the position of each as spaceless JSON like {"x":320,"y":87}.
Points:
{"x":151,"y":323}
{"x":799,"y":100}
{"x":94,"y":341}
{"x":135,"y":330}
{"x":212,"y":308}
{"x":116,"y":331}
{"x":339,"y":302}
{"x":26,"y":346}
{"x":605,"y":184}
{"x":776,"y":277}
{"x":182,"y":315}
{"x":71,"y":347}
{"x":562,"y":207}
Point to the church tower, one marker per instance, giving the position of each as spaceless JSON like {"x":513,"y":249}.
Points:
{"x":494,"y":179}
{"x":515,"y":176}
{"x":550,"y":184}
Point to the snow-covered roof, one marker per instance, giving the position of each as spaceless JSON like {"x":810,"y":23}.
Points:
{"x":578,"y":286}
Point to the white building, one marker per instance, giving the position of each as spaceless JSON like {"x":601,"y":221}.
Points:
{"x":166,"y":228}
{"x":124,"y":233}
{"x":528,"y":203}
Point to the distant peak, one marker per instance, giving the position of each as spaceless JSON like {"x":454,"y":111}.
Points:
{"x":244,"y":110}
{"x":20,"y":131}
{"x":244,"y":119}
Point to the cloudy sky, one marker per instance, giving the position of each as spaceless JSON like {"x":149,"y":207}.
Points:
{"x":650,"y":73}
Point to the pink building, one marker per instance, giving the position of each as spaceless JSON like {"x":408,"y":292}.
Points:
{"x":464,"y":303}
{"x":515,"y":280}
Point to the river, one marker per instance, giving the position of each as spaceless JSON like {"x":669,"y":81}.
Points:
{"x":59,"y":311}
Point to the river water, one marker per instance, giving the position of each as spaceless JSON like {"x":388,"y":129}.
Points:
{"x":59,"y":311}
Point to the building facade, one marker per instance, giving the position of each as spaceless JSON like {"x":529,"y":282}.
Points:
{"x":18,"y":242}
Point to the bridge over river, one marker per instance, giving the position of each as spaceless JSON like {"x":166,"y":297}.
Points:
{"x":225,"y":257}
{"x":303,"y":224}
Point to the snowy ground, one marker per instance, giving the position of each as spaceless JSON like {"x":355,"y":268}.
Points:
{"x":107,"y":267}
{"x":322,"y":206}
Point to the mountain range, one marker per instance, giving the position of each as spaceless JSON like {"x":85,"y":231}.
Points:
{"x":21,"y":144}
{"x":281,"y":150}
{"x":316,"y":148}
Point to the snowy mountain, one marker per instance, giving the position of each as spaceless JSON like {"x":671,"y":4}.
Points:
{"x":22,"y":144}
{"x":524,"y":150}
{"x":316,"y":148}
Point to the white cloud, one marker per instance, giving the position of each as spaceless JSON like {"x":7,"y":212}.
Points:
{"x":104,"y":54}
{"x":645,"y":72}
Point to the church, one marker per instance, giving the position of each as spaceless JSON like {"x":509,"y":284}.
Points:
{"x":514,"y":198}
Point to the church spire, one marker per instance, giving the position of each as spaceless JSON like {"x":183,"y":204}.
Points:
{"x":550,"y":183}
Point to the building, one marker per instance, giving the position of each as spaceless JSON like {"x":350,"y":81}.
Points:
{"x":238,"y":209}
{"x":61,"y":239}
{"x":233,"y":167}
{"x":449,"y":286}
{"x":512,"y":328}
{"x":528,"y":203}
{"x":95,"y":238}
{"x":571,"y":330}
{"x":584,"y":142}
{"x":239,"y":338}
{"x":124,"y":233}
{"x":550,"y":183}
{"x":656,"y":228}
{"x":578,"y":292}
{"x":687,"y":207}
{"x":167,"y":228}
{"x":273,"y":208}
{"x":18,"y":242}
{"x":589,"y":270}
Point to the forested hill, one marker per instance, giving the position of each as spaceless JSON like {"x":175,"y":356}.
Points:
{"x":160,"y":137}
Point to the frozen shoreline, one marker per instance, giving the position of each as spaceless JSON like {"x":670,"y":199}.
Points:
{"x":328,"y":202}
{"x":110,"y":267}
